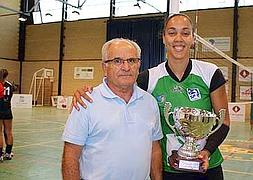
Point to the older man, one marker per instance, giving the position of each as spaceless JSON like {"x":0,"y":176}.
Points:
{"x":117,"y":136}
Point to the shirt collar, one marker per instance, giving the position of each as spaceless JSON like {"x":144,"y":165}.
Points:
{"x":186,"y":73}
{"x":107,"y":92}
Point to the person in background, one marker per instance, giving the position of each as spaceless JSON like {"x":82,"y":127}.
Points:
{"x":1,"y":109}
{"x":183,"y":82}
{"x":117,"y":137}
{"x":7,"y":116}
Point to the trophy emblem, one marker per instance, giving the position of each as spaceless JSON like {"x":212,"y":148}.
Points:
{"x":192,"y":124}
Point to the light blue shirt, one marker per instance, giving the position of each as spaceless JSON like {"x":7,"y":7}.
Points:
{"x":116,"y":136}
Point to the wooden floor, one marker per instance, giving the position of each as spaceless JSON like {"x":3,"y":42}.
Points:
{"x":38,"y":147}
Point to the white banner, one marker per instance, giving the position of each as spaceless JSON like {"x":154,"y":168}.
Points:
{"x":236,"y":112}
{"x":83,"y":72}
{"x":222,"y":43}
{"x":244,"y":75}
{"x":21,"y":101}
{"x":245,"y":92}
{"x":64,"y":102}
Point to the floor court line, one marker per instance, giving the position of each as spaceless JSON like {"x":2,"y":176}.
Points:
{"x":238,"y":172}
{"x":49,"y":122}
{"x":38,"y":131}
{"x":37,"y":144}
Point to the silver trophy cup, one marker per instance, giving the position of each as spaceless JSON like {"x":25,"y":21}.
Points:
{"x":192,"y":124}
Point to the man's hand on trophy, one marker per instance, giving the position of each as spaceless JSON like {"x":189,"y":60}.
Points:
{"x":204,"y":156}
{"x":77,"y":97}
{"x":173,"y":159}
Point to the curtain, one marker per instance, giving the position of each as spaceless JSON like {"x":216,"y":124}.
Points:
{"x":146,"y":32}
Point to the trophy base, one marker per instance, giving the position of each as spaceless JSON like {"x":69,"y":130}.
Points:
{"x":188,"y":165}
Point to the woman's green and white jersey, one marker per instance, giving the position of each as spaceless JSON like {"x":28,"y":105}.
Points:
{"x":193,"y":90}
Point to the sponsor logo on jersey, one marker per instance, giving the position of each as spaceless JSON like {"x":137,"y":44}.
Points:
{"x":177,"y":89}
{"x":193,"y":94}
{"x":161,"y":98}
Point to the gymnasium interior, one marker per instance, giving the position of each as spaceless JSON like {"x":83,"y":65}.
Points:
{"x":51,"y":48}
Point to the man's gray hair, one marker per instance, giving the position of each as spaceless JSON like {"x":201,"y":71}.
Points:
{"x":108,"y":44}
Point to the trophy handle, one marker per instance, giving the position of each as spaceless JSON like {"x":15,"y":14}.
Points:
{"x":219,"y":119}
{"x":167,"y":113}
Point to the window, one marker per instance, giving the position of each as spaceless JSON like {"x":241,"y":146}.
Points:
{"x":51,"y":10}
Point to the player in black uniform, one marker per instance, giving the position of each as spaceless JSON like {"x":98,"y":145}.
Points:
{"x":1,"y":112}
{"x":7,"y":116}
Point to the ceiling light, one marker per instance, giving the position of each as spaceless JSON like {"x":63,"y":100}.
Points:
{"x":48,"y":14}
{"x":137,"y":5}
{"x":76,"y":12}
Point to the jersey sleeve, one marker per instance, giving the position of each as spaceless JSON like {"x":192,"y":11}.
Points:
{"x":217,"y":80}
{"x":1,"y":90}
{"x":142,"y":80}
{"x":12,"y":90}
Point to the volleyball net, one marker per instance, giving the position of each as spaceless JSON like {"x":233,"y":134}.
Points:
{"x":238,"y":74}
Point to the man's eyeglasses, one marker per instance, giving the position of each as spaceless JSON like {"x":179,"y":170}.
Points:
{"x":120,"y":61}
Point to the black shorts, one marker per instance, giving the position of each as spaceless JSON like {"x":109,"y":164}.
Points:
{"x":5,"y":111}
{"x":6,"y":115}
